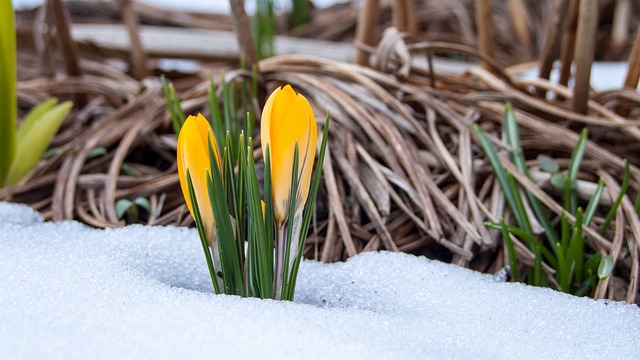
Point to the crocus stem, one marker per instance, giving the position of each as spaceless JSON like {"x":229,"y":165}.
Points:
{"x":283,"y":265}
{"x":281,"y":249}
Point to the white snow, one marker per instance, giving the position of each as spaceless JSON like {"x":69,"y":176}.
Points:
{"x":73,"y":292}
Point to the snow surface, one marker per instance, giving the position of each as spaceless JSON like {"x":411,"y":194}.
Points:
{"x":73,"y":292}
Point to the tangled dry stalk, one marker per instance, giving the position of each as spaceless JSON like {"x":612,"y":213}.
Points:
{"x":404,"y":171}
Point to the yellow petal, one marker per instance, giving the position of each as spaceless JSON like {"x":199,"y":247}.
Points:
{"x":288,"y":118}
{"x":193,"y":154}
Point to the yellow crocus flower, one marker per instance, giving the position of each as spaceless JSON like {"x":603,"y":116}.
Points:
{"x":193,"y":154}
{"x":287,"y":120}
{"x":287,"y":117}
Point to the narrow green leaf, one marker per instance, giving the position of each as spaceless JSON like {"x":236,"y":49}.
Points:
{"x":309,"y":208}
{"x":501,"y":175}
{"x":618,"y":199}
{"x":202,"y":235}
{"x":513,"y":260}
{"x":293,"y":201}
{"x":513,"y":139}
{"x":593,"y":203}
{"x":574,"y":167}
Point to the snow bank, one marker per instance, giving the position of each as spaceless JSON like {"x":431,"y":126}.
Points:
{"x":69,"y":291}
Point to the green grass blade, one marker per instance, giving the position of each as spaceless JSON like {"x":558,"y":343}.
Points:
{"x":8,"y":99}
{"x":618,"y":199}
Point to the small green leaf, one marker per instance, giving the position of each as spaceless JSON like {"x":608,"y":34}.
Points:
{"x":122,"y":206}
{"x":99,"y":151}
{"x":557,"y":180}
{"x":127,"y":169}
{"x":143,"y":203}
{"x":548,"y":163}
{"x":605,"y":268}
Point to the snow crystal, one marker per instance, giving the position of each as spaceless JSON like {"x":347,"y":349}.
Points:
{"x":70,"y":291}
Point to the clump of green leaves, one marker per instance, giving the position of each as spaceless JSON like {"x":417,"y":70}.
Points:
{"x":563,"y":248}
{"x":21,"y":150}
{"x":264,"y":28}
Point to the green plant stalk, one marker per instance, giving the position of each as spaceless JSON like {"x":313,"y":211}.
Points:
{"x":309,"y":208}
{"x":513,"y":259}
{"x":8,"y":100}
{"x":201,"y":233}
{"x":616,"y":203}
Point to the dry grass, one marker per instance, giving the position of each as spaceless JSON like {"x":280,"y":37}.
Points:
{"x":404,"y":170}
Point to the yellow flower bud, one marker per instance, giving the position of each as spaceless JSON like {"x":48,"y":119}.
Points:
{"x":193,"y":154}
{"x":287,"y":118}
